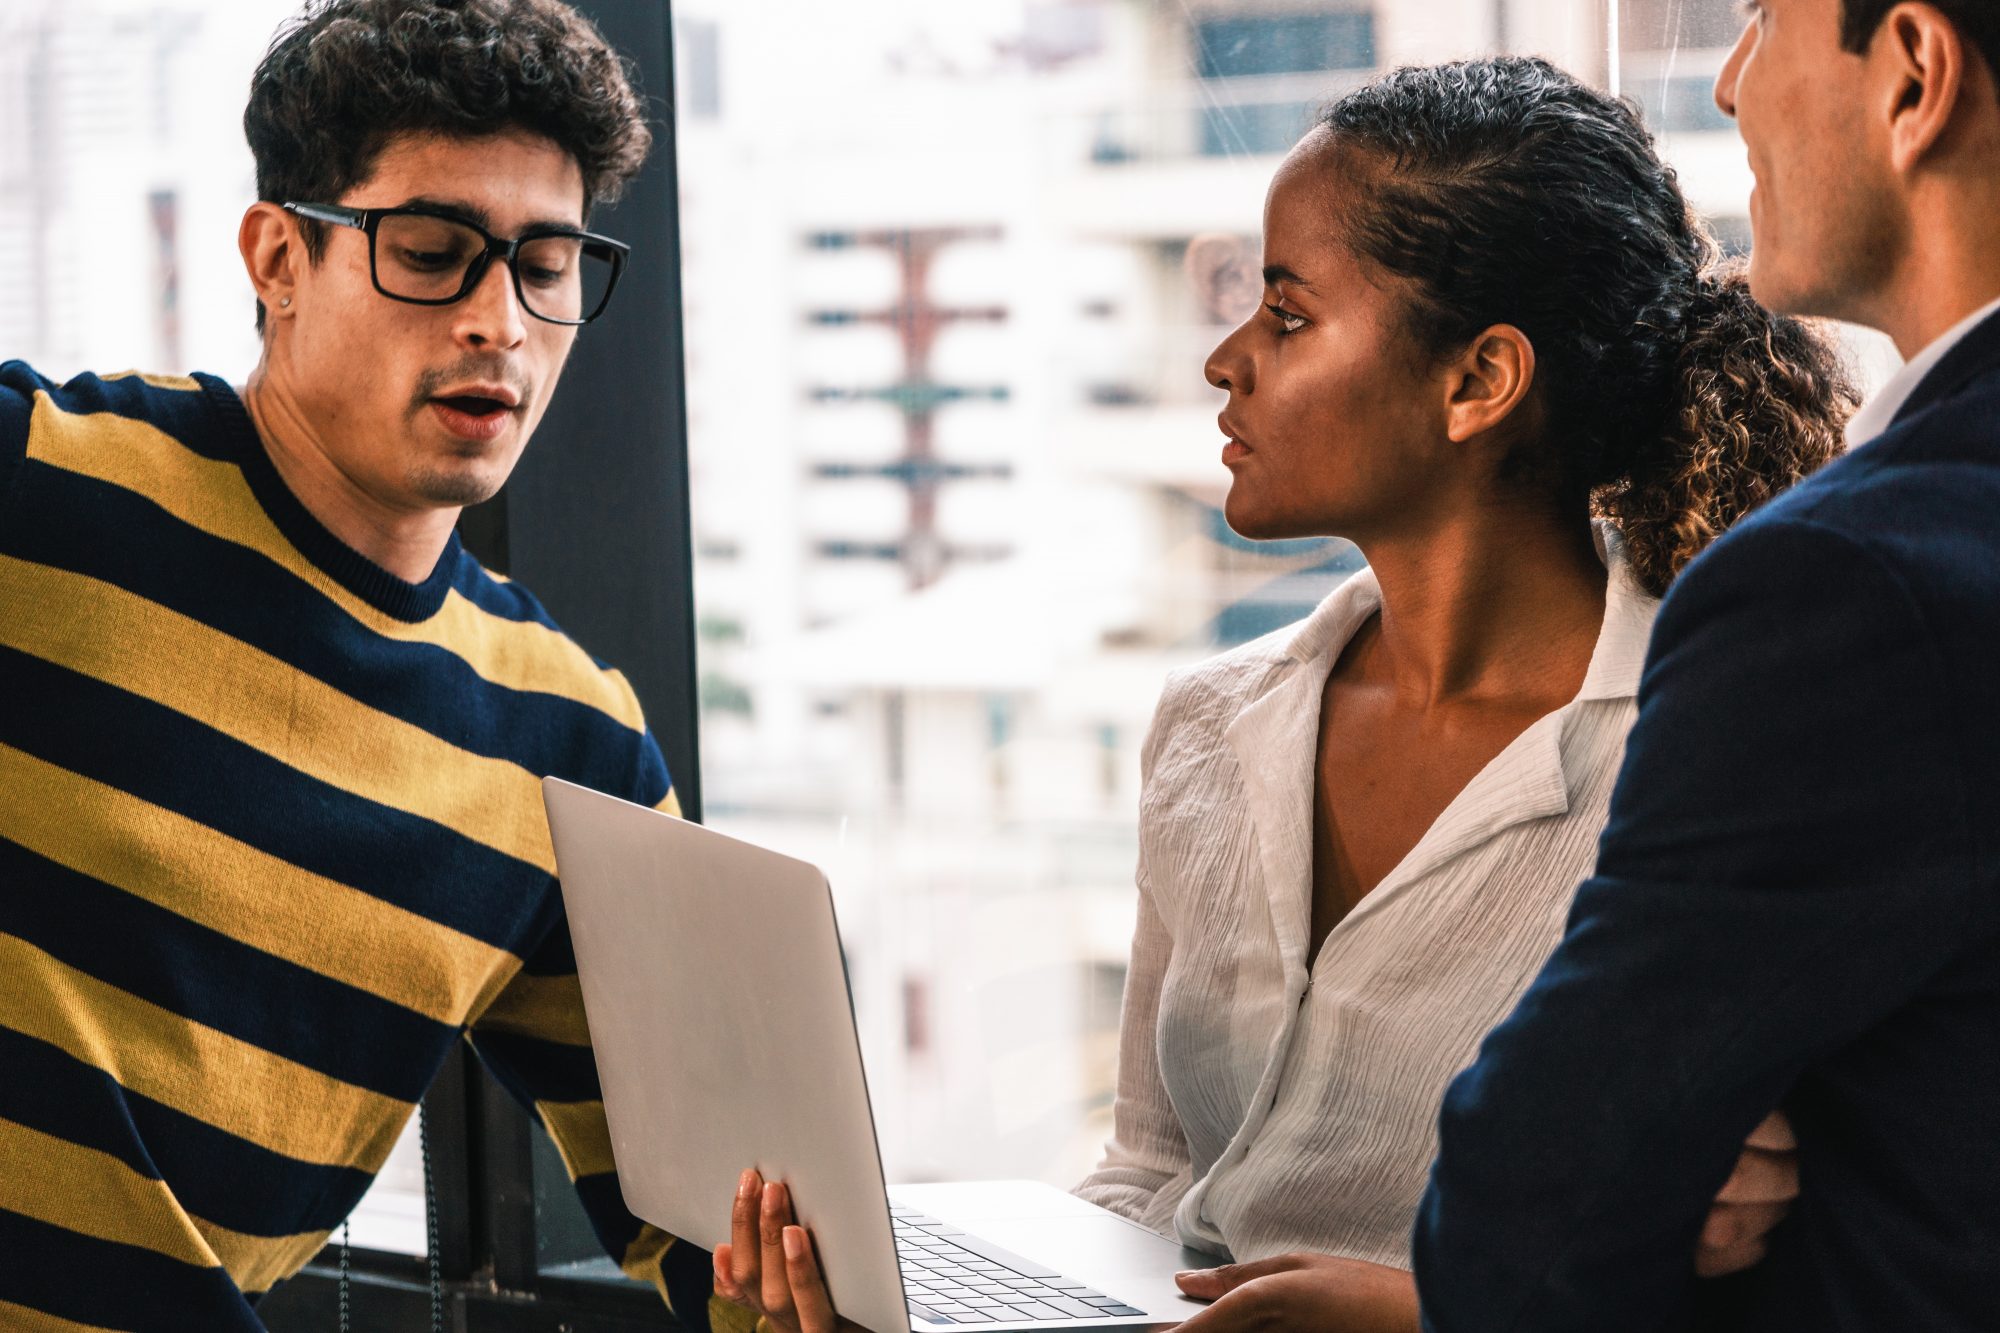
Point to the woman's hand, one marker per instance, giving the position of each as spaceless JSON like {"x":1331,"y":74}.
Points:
{"x":768,"y":1265}
{"x":1295,"y":1291}
{"x":1757,"y":1197}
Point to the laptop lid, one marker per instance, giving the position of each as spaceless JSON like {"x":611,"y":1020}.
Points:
{"x":724,"y":1035}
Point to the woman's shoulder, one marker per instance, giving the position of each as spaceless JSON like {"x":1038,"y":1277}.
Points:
{"x":1243,"y":672}
{"x":1230,"y":678}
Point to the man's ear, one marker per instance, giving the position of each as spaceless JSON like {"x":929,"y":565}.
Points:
{"x":272,"y":252}
{"x":1486,"y":383}
{"x":1924,"y":60}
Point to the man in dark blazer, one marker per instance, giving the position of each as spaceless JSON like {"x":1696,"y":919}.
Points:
{"x":1797,"y":899}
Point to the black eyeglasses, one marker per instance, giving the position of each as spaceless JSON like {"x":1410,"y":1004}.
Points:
{"x":427,"y":257}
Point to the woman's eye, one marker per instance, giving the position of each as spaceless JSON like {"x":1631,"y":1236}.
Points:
{"x":1287,"y":321}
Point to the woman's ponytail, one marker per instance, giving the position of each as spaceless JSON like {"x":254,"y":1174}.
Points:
{"x":1760,"y":401}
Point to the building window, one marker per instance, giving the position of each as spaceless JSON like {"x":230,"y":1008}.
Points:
{"x":1238,"y":47}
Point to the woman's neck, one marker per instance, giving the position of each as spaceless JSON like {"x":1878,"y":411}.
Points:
{"x":1495,"y":606}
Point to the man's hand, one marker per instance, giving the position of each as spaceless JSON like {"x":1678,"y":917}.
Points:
{"x":1299,"y":1291}
{"x":1755,"y":1199}
{"x":769,"y":1266}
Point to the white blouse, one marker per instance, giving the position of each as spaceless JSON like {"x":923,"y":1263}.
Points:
{"x":1263,"y":1107}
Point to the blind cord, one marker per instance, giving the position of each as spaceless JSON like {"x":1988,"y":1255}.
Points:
{"x":430,"y":1241}
{"x":430,"y":1223}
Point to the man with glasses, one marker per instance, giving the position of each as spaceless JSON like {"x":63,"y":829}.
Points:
{"x":271,"y":837}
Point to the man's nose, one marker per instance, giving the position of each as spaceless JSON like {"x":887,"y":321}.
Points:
{"x":491,"y":313}
{"x":1732,"y":70}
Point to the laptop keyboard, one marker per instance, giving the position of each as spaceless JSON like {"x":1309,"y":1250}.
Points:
{"x":952,"y":1278}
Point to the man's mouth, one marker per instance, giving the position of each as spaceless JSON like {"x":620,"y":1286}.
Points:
{"x":473,"y":405}
{"x":475,"y":417}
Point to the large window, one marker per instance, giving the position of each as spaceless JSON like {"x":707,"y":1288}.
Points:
{"x":950,"y":272}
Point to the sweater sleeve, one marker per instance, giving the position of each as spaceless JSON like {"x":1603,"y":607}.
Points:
{"x":18,"y":385}
{"x":1785,"y":865}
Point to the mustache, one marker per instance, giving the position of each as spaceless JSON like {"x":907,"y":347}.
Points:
{"x":474,"y":366}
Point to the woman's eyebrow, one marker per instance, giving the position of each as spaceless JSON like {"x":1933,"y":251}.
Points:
{"x":1277,"y":275}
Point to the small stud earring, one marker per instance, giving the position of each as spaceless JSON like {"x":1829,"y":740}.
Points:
{"x":285,"y":302}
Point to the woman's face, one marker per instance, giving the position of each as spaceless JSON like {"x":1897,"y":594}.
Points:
{"x":1335,"y":419}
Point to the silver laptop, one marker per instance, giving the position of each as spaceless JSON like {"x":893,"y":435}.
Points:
{"x":719,"y":1010}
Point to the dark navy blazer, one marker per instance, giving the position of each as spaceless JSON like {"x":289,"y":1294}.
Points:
{"x":1797,"y":902}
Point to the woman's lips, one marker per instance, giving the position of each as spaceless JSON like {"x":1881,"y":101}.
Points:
{"x":468,"y":423}
{"x":1235,"y":451}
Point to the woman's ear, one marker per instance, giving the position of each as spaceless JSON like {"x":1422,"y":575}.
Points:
{"x":1486,"y":383}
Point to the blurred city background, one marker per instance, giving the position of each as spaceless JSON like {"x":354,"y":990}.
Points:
{"x":951,"y":273}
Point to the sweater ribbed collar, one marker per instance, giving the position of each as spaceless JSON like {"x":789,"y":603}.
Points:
{"x":340,"y":562}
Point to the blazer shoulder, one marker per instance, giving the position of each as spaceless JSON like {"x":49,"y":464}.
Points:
{"x":1919,"y":497}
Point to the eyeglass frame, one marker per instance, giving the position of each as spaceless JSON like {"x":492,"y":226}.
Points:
{"x":369,"y":220}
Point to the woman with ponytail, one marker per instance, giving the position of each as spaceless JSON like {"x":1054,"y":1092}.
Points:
{"x":1497,"y":352}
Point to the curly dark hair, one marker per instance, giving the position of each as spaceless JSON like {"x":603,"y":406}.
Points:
{"x":347,"y":76}
{"x":1504,"y":191}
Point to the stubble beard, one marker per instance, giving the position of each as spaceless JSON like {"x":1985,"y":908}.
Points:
{"x":454,"y":487}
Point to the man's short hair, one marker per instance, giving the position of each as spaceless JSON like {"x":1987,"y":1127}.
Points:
{"x":1978,"y":21}
{"x":347,"y":76}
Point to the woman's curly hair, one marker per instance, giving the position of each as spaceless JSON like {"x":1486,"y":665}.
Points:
{"x":1504,"y":191}
{"x":347,"y":76}
{"x":1762,"y":402}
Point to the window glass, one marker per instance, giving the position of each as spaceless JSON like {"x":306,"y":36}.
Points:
{"x":1250,"y":44}
{"x":1670,"y":52}
{"x":122,"y":174}
{"x":952,"y":272}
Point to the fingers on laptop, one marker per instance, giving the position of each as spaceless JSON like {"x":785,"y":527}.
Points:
{"x":794,"y":1292}
{"x":743,"y":1230}
{"x":1207,"y":1284}
{"x":768,"y":1264}
{"x":773,"y":1218}
{"x":813,"y":1305}
{"x":725,"y":1285}
{"x":736,"y":1263}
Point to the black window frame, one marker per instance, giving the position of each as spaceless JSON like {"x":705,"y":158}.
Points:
{"x":595,"y":521}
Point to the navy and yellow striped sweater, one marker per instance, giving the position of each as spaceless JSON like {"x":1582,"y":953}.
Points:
{"x":271,"y":839}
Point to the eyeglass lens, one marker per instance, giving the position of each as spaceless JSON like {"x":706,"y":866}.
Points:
{"x":425,"y":259}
